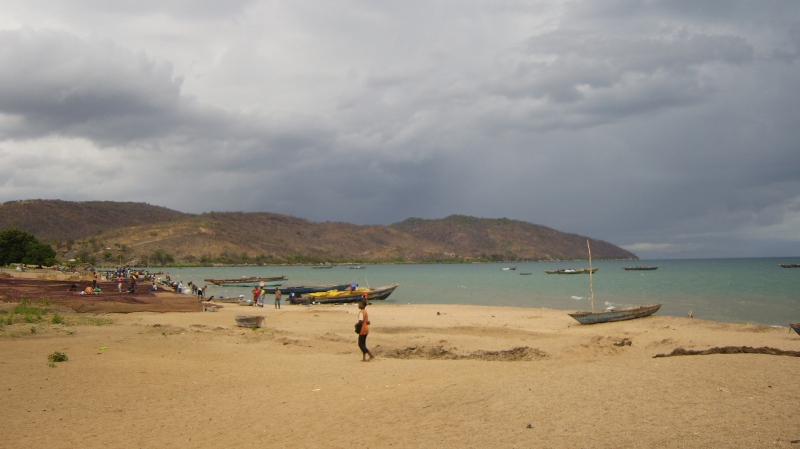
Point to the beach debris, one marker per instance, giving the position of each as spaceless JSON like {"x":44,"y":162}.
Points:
{"x":529,"y":426}
{"x":731,"y":350}
{"x":522,"y":353}
{"x":623,"y":342}
{"x":690,"y":314}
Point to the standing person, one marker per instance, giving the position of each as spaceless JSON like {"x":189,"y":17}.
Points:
{"x":119,"y":284}
{"x":277,"y":298}
{"x":363,"y":319}
{"x":256,"y":294}
{"x":262,"y":296}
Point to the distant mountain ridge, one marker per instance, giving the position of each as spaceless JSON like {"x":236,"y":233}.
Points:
{"x":107,"y":232}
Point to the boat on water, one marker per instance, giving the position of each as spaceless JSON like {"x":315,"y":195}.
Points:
{"x":321,"y":267}
{"x":249,"y":281}
{"x":357,"y":267}
{"x":789,"y":265}
{"x":572,"y":271}
{"x":508,"y":268}
{"x":612,"y":313}
{"x":796,"y":327}
{"x":640,"y":268}
{"x":348,"y":296}
{"x":305,"y":289}
{"x":526,"y":274}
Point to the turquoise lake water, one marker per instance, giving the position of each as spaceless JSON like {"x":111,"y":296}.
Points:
{"x":732,"y":290}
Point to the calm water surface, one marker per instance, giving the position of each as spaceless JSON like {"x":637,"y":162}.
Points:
{"x":731,"y":290}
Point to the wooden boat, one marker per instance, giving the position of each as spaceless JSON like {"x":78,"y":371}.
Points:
{"x":249,"y":320}
{"x":251,"y":281}
{"x":341,"y":297}
{"x":796,"y":327}
{"x":610,"y":314}
{"x":508,"y":268}
{"x":305,"y":289}
{"x":640,"y":268}
{"x":526,"y":274}
{"x":789,"y":265}
{"x":357,"y":267}
{"x":321,"y":267}
{"x":572,"y":271}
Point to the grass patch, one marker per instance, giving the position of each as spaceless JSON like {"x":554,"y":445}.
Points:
{"x":88,"y":320}
{"x":38,"y":314}
{"x":56,"y":357}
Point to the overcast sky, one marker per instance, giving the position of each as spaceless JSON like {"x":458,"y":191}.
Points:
{"x":670,"y":128}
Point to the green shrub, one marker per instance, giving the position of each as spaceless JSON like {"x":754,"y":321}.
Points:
{"x":58,"y":357}
{"x":57,"y":319}
{"x":55,"y":358}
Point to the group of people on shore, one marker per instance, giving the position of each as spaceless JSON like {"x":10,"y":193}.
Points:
{"x":260,"y":294}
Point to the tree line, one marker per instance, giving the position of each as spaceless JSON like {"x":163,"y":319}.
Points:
{"x":17,"y":246}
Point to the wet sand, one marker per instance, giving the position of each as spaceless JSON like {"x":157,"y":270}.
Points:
{"x":444,"y":376}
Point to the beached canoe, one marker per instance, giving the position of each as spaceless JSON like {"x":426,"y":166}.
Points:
{"x":305,"y":289}
{"x":796,"y":327}
{"x":612,"y":314}
{"x":249,"y":320}
{"x":342,"y":297}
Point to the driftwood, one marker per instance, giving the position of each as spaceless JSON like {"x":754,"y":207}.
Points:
{"x":731,"y":350}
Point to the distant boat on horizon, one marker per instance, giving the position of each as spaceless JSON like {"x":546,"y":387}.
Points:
{"x":640,"y":268}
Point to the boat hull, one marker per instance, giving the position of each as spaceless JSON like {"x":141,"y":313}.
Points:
{"x":640,"y":268}
{"x":627,"y":313}
{"x":570,"y":271}
{"x":796,"y":327}
{"x":250,"y":281}
{"x":344,"y":298}
{"x":302,"y":290}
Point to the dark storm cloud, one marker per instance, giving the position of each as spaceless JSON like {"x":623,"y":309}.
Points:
{"x":665,"y":127}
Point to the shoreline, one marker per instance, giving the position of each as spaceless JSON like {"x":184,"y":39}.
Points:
{"x":444,"y":376}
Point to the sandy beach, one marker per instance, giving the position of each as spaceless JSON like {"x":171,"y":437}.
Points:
{"x":443,"y":376}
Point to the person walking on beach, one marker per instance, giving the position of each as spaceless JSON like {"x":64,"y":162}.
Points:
{"x":363,"y":319}
{"x":256,"y":294}
{"x":277,"y":298}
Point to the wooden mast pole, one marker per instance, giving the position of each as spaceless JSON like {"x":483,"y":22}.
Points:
{"x":591,"y":287}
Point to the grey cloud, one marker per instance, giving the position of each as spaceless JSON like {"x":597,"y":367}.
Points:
{"x":665,"y":127}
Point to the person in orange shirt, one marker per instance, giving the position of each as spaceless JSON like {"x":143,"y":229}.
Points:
{"x":363,"y":318}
